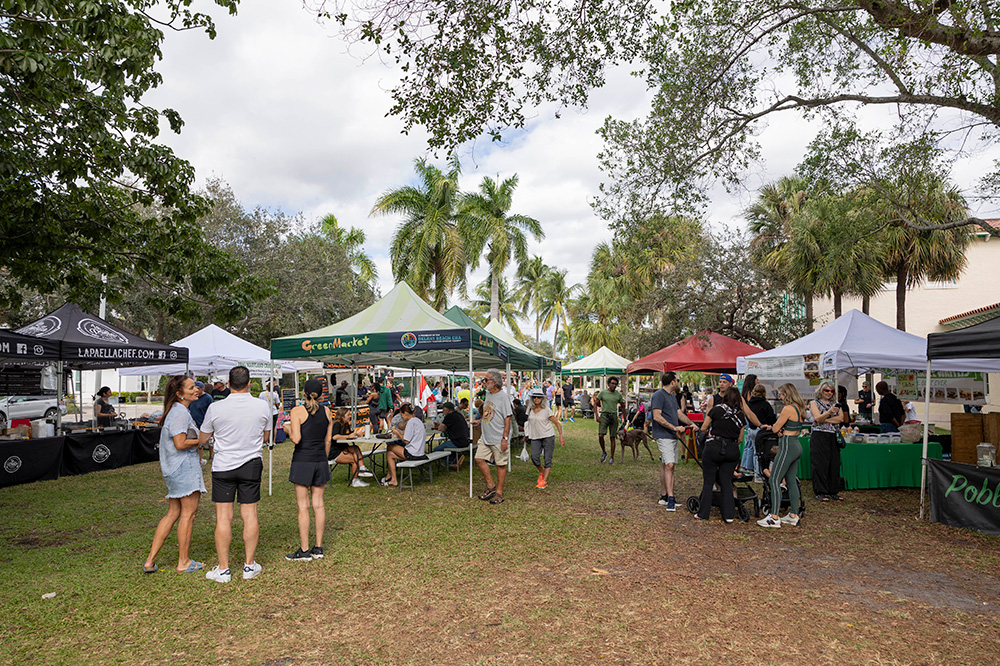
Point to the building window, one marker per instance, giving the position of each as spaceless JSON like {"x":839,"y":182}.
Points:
{"x":942,"y":284}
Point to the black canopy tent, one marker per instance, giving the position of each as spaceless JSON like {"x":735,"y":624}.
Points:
{"x":86,"y":342}
{"x":17,"y":348}
{"x":977,"y":341}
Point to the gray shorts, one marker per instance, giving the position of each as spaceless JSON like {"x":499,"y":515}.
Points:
{"x":668,"y":450}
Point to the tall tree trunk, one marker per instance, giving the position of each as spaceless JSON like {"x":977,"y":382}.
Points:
{"x":901,"y":276}
{"x":809,"y":311}
{"x":866,"y":304}
{"x":838,"y":305}
{"x":555,"y":337}
{"x":495,"y":295}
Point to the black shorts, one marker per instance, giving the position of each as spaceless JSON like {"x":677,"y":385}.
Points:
{"x":558,"y":401}
{"x":309,"y":473}
{"x":568,"y":402}
{"x":242,"y":483}
{"x":410,"y":456}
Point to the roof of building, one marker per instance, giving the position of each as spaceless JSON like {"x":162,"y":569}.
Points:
{"x":972,"y":316}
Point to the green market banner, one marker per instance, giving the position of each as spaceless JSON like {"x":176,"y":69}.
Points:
{"x":320,"y":346}
{"x":964,"y":495}
{"x":953,"y":388}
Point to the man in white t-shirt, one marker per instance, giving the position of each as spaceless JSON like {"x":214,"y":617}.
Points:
{"x":241,"y":424}
{"x":271,"y":397}
{"x":494,"y":444}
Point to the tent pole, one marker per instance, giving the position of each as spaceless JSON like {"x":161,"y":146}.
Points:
{"x":61,"y":393}
{"x":472,"y":454}
{"x":513,"y":423}
{"x":274,"y":432}
{"x":927,"y":425}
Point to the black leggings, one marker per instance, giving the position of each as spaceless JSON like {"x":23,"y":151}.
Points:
{"x":718,"y":462}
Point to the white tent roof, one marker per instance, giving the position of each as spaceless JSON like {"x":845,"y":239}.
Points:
{"x":602,"y":361}
{"x":494,"y":328}
{"x":216,"y":351}
{"x":855,"y":340}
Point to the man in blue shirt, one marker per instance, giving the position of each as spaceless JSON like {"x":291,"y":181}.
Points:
{"x":667,"y":417}
{"x":199,"y":407}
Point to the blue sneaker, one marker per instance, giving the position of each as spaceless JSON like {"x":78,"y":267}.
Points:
{"x":671,"y":504}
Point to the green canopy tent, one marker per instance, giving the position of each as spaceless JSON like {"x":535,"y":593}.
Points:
{"x":602,"y":363}
{"x":545,"y":364}
{"x":399,"y":330}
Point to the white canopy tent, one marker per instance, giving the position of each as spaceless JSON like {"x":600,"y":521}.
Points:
{"x":214,"y":351}
{"x":854,"y":342}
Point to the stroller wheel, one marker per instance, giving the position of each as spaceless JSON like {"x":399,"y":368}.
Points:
{"x":693,"y":504}
{"x":743,"y":513}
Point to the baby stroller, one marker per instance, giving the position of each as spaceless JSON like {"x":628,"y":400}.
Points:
{"x":745,"y":494}
{"x":765,"y":441}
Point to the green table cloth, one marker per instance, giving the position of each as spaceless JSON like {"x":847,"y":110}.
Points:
{"x":876,"y":465}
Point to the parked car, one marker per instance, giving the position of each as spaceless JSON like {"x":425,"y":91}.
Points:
{"x":29,"y":407}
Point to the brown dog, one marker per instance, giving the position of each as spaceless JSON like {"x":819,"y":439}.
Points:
{"x":632,"y":439}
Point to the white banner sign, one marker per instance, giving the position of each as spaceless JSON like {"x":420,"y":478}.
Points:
{"x":955,"y":388}
{"x":790,"y":368}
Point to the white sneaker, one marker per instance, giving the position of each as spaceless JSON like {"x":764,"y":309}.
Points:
{"x":768,"y":521}
{"x":358,"y":483}
{"x":365,"y":472}
{"x":789,"y":520}
{"x":251,"y":570}
{"x":219,"y":575}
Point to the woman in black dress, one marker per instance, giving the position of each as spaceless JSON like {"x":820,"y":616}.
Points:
{"x":309,"y":426}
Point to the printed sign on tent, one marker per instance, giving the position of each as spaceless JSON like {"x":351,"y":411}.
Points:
{"x":965,"y":495}
{"x":789,"y":368}
{"x":955,"y":388}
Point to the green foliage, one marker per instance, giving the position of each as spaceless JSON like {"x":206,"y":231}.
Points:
{"x":353,"y":242}
{"x":481,"y":307}
{"x":430,"y":247}
{"x":79,"y":167}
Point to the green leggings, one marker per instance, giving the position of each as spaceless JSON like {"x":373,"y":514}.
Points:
{"x":786,"y":466}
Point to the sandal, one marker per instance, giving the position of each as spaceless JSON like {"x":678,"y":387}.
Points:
{"x":488,"y":493}
{"x":496,"y":499}
{"x":150,"y":571}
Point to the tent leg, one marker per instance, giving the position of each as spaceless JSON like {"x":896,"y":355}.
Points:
{"x":927,"y":425}
{"x":513,"y":423}
{"x":59,"y":399}
{"x":472,"y":454}
{"x":274,"y":431}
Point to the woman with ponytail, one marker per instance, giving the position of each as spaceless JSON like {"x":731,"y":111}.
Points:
{"x":181,"y":468}
{"x":310,"y":427}
{"x":786,"y":464}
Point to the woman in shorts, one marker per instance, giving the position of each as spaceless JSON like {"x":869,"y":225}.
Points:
{"x":414,"y":446}
{"x":309,"y":426}
{"x":343,"y":453}
{"x":181,"y":468}
{"x":557,"y":399}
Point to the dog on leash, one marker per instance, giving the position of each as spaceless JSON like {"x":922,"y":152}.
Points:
{"x":632,"y":439}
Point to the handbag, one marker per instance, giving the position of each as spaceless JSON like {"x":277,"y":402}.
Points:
{"x":841,"y":442}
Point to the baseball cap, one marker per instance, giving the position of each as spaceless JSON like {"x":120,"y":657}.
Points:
{"x":727,"y":377}
{"x":200,"y":385}
{"x":313,"y":386}
{"x":448,"y":405}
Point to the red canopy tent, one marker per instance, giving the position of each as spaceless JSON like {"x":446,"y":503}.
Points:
{"x":704,"y":351}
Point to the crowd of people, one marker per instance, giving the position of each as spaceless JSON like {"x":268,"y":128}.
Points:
{"x":234,"y":426}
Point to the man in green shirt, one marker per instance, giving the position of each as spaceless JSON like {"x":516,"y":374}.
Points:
{"x":608,"y":404}
{"x":385,"y":403}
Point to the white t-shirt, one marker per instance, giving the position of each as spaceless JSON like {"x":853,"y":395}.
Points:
{"x":238,"y":423}
{"x":416,"y":437}
{"x":272,"y":399}
{"x":496,"y":409}
{"x":538,"y":425}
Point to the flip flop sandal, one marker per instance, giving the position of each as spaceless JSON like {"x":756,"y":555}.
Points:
{"x":150,"y":571}
{"x":194,"y":566}
{"x":488,"y":494}
{"x":496,"y":499}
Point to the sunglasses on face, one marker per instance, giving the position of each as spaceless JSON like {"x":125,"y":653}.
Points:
{"x":827,"y":390}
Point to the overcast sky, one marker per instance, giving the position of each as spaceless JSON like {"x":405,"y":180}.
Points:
{"x":279,"y":109}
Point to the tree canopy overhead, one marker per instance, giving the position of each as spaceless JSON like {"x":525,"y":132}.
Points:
{"x":80,"y":168}
{"x":717,"y":70}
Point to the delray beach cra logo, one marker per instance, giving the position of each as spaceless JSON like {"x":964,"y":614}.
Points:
{"x":408,"y":340}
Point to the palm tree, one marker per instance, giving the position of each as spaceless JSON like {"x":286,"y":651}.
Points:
{"x":353,"y":242}
{"x":911,"y":255}
{"x":771,"y":220}
{"x":482,"y":307}
{"x":531,"y":277}
{"x":497,"y":231}
{"x":555,"y":298}
{"x":429,"y":248}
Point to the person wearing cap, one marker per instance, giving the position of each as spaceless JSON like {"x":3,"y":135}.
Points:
{"x":540,"y":431}
{"x":219,"y":390}
{"x":725,"y":381}
{"x":200,"y":406}
{"x":494,"y":443}
{"x":456,"y":430}
{"x":310,"y":427}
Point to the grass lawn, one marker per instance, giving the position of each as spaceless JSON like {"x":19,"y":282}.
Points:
{"x":590,"y":570}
